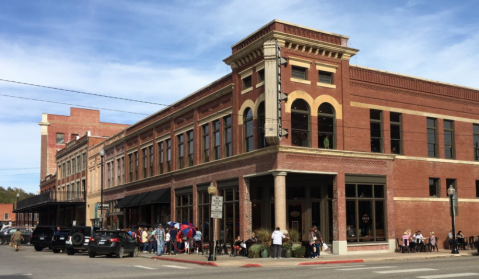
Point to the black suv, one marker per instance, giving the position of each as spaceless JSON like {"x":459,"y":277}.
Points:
{"x":78,"y":238}
{"x":111,"y":243}
{"x":42,"y":237}
{"x":6,"y":235}
{"x":59,"y":239}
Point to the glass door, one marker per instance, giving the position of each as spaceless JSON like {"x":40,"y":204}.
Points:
{"x":296,"y":217}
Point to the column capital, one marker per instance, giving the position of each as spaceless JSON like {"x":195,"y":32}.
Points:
{"x":280,"y":173}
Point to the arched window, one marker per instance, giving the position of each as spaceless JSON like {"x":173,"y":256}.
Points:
{"x":248,"y":130}
{"x":261,"y":121}
{"x":326,"y":126}
{"x":300,"y":131}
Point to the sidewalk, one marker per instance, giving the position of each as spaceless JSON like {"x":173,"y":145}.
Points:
{"x":326,"y":258}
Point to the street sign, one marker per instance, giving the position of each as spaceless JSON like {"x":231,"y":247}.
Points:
{"x":217,"y":207}
{"x":216,"y":215}
{"x":105,"y":206}
{"x":217,"y":201}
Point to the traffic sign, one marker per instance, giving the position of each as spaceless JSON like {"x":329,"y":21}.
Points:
{"x":216,"y":215}
{"x":217,"y":201}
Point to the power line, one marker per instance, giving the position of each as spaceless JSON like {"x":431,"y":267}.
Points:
{"x":38,"y":100}
{"x":81,"y":92}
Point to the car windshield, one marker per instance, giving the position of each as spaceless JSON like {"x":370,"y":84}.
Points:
{"x":108,"y":234}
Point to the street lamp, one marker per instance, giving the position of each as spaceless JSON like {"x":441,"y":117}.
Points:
{"x":102,"y":153}
{"x":16,"y":217}
{"x":451,"y":191}
{"x":211,"y":192}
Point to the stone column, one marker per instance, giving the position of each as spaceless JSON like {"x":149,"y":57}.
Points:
{"x":280,"y":199}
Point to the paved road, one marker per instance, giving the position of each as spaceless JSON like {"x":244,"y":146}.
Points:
{"x":30,"y":264}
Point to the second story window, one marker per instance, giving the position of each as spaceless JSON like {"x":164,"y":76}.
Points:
{"x":168,"y":155}
{"x":299,"y":72}
{"x":136,"y":165}
{"x":432,"y":138}
{"x":69,"y":168}
{"x":261,"y":122}
{"x":84,"y":161}
{"x":118,"y":172}
{"x":60,"y":138}
{"x":326,"y":126}
{"x":181,"y":151}
{"x":395,"y":125}
{"x":227,"y":136}
{"x":151,"y":160}
{"x":300,"y":123}
{"x":161,"y":157}
{"x":130,"y":167}
{"x":248,"y":130}
{"x":376,"y":123}
{"x":63,"y":170}
{"x":216,"y":140}
{"x":260,"y":75}
{"x":108,"y":175}
{"x":191,"y":148}
{"x":449,"y":139}
{"x":122,"y":170}
{"x":74,"y":170}
{"x":246,"y":82}
{"x":145,"y":161}
{"x":206,"y":143}
{"x":79,"y":164}
{"x":434,"y":187}
{"x":475,"y":139}
{"x":325,"y":77}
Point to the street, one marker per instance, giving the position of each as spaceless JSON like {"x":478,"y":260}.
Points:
{"x":30,"y":264}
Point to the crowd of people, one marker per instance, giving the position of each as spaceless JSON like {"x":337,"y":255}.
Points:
{"x":417,"y":241}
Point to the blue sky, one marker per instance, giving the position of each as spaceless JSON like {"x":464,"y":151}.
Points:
{"x":161,"y":51}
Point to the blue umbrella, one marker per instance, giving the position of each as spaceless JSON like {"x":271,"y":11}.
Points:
{"x":174,"y":224}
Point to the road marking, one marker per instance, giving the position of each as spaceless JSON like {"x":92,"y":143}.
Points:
{"x":338,"y":266}
{"x":369,"y":267}
{"x":405,"y":270}
{"x":145,"y":267}
{"x":449,"y":275}
{"x":176,"y":266}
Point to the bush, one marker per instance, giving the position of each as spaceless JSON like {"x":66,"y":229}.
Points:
{"x":298,"y":250}
{"x":287,"y":246}
{"x":255,"y":250}
{"x":293,"y":235}
{"x":264,"y":237}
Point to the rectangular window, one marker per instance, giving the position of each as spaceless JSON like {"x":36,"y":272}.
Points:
{"x":122,"y":170}
{"x":325,"y":77}
{"x":78,"y":164}
{"x":118,"y":172}
{"x":151,"y":160}
{"x":246,"y":82}
{"x":69,"y":168}
{"x":60,"y":138}
{"x":136,"y":165}
{"x":396,"y":135}
{"x":216,"y":139}
{"x":203,"y":214}
{"x":449,"y":139}
{"x":299,"y":72}
{"x":108,"y":175}
{"x":130,"y":167}
{"x":231,"y":223}
{"x":376,"y":123}
{"x":63,"y":170}
{"x":161,"y":152}
{"x":227,"y":136}
{"x":5,"y":216}
{"x":477,"y":188}
{"x":184,"y":207}
{"x":434,"y":187}
{"x":191,"y":147}
{"x":260,"y":75}
{"x":74,"y":166}
{"x":145,"y":161}
{"x":475,"y":130}
{"x":432,"y":138}
{"x":84,"y":161}
{"x":168,"y":155}
{"x":206,"y":143}
{"x":181,"y":151}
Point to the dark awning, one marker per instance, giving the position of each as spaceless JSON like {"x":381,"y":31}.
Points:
{"x":125,"y":201}
{"x":137,"y":200}
{"x":158,"y":196}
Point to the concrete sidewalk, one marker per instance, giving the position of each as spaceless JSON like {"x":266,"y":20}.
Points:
{"x":325,"y":258}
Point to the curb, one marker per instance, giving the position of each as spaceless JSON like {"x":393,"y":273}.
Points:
{"x":251,"y":265}
{"x":332,"y":262}
{"x":185,"y":261}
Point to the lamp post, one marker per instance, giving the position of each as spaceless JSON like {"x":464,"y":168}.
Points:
{"x":451,"y":191}
{"x":211,"y":192}
{"x":16,"y":207}
{"x":102,"y":153}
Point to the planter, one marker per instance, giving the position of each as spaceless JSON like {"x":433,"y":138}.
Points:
{"x":264,"y":253}
{"x":288,"y":253}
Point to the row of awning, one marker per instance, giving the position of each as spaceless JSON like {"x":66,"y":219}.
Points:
{"x":153,"y":197}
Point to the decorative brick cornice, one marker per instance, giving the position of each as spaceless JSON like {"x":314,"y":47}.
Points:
{"x":336,"y":160}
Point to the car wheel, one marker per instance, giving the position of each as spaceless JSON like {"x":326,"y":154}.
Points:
{"x":2,"y":241}
{"x":134,"y":253}
{"x":70,"y":251}
{"x":91,"y":254}
{"x":38,"y":248}
{"x":56,"y":251}
{"x":120,"y":253}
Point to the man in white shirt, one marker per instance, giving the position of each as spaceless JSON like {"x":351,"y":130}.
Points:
{"x":418,"y":237}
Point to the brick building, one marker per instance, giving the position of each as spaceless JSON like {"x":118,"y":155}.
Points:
{"x":6,"y":214}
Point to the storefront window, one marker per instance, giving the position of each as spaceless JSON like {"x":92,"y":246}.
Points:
{"x":184,"y":208}
{"x":365,"y":217}
{"x":229,"y":226}
{"x":204,"y":215}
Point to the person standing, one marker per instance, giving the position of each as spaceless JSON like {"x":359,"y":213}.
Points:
{"x":318,"y":239}
{"x":197,"y":241}
{"x":173,"y":242}
{"x":160,"y":240}
{"x":167,"y":244}
{"x":17,"y":239}
{"x":144,"y":240}
{"x":152,"y":243}
{"x":311,"y":243}
{"x":326,"y":142}
{"x":277,"y":238}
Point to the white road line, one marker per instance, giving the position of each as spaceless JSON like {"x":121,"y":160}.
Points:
{"x":369,"y":267}
{"x":338,"y":266}
{"x":176,"y":266}
{"x":404,"y":270}
{"x":145,"y":267}
{"x":449,"y":275}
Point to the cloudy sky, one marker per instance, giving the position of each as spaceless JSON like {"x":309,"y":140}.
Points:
{"x":160,"y":51}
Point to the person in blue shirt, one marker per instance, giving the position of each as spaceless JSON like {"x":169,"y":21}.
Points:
{"x":173,"y":233}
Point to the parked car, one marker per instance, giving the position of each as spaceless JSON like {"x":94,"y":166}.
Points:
{"x":6,"y":235}
{"x":42,"y":237}
{"x":59,"y":239}
{"x":78,"y":239}
{"x":111,"y":243}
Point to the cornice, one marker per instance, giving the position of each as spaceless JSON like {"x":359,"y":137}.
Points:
{"x":336,"y":153}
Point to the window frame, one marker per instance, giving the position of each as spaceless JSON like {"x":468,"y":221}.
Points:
{"x":60,"y":140}
{"x":434,"y":132}
{"x":452,"y":151}
{"x":205,"y":130}
{"x":168,"y":155}
{"x":216,"y":139}
{"x":320,"y":133}
{"x":144,"y":153}
{"x":161,"y":156}
{"x":372,"y":122}
{"x":181,"y":151}
{"x":306,"y":113}
{"x":396,"y":124}
{"x":248,"y":140}
{"x":190,"y":146}
{"x":295,"y":70}
{"x":227,"y":132}
{"x":324,"y":73}
{"x":151,"y":151}
{"x":436,"y":185}
{"x":475,"y":141}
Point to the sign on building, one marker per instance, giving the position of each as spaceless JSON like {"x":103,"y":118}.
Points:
{"x":217,"y":207}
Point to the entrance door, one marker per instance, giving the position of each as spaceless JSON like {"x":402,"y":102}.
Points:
{"x":296,"y":217}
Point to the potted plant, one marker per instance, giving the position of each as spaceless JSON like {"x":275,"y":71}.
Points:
{"x":298,"y":250}
{"x":255,"y":250}
{"x":287,"y":247}
{"x":293,"y":236}
{"x":264,"y":237}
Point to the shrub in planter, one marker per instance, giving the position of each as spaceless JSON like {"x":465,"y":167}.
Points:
{"x":264,"y":237}
{"x":298,"y":250}
{"x":255,"y":250}
{"x":287,"y":248}
{"x":293,"y":235}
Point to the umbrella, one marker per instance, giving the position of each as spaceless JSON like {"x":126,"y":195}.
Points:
{"x":174,"y":224}
{"x":187,"y":229}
